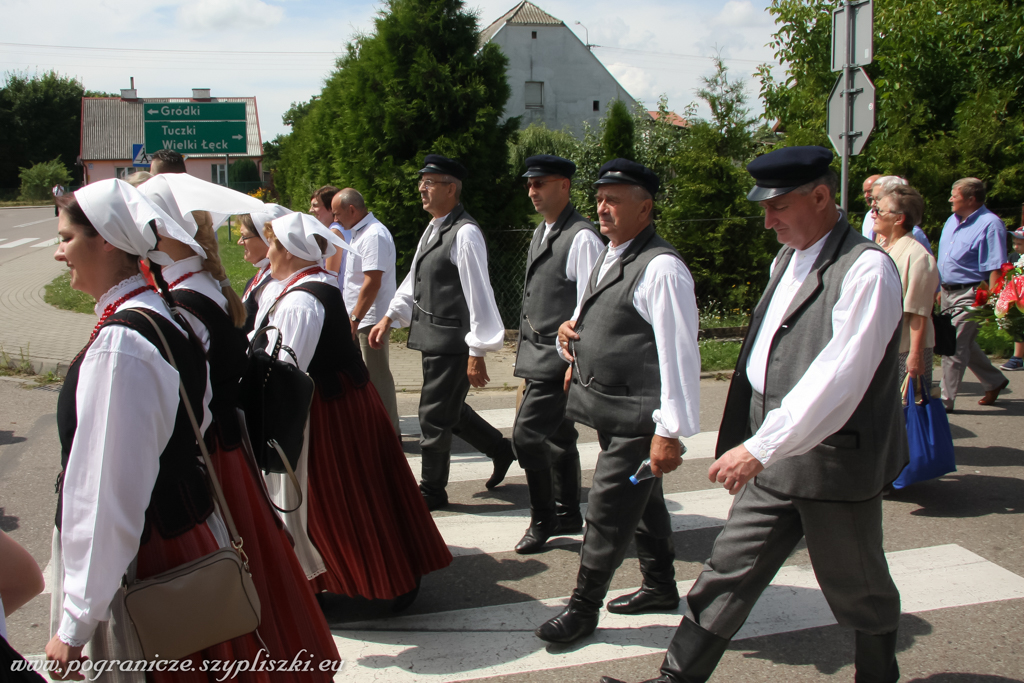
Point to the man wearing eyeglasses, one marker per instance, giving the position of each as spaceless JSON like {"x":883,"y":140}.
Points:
{"x":636,"y":379}
{"x":564,"y":249}
{"x":448,"y":305}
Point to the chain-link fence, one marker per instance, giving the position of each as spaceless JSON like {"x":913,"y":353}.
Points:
{"x":506,"y":261}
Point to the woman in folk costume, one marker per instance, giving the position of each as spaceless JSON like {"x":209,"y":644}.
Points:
{"x":198,"y":285}
{"x":363,"y":528}
{"x":133,"y":499}
{"x":256,"y":245}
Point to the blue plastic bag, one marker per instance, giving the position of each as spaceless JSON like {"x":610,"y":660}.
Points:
{"x":931,"y":443}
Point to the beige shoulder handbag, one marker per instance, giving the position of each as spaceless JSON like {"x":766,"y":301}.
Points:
{"x":201,"y":603}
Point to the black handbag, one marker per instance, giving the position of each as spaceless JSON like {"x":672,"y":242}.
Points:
{"x":275,"y":397}
{"x":945,"y":333}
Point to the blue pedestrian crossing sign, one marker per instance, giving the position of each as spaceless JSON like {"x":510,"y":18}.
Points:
{"x":139,"y":157}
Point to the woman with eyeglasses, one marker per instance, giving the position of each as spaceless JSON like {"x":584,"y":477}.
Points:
{"x":896,"y":212}
{"x":255,"y":246}
{"x":361,"y":527}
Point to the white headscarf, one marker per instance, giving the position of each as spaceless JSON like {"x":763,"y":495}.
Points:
{"x":121,"y":215}
{"x":265,"y":215}
{"x":295,"y":232}
{"x":179,"y":194}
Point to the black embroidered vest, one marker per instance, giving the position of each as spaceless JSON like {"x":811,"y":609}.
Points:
{"x":252,"y":302}
{"x":227,"y":361}
{"x":181,"y":498}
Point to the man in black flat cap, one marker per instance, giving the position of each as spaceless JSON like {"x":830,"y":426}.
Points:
{"x":447,"y":302}
{"x":563,"y":252}
{"x":635,"y":378}
{"x":812,"y":430}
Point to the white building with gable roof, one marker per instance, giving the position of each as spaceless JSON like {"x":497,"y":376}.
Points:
{"x":555,"y":79}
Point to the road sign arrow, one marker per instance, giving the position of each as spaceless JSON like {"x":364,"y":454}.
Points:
{"x":153,"y":111}
{"x":236,"y":137}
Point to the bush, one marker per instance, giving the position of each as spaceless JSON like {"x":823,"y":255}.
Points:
{"x":38,"y":181}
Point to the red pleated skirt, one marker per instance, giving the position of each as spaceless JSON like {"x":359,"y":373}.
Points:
{"x":291,"y":624}
{"x":367,"y":517}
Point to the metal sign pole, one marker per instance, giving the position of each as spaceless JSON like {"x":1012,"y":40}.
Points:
{"x":848,"y":108}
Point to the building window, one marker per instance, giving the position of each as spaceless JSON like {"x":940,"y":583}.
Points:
{"x":123,"y":172}
{"x":219,"y":174}
{"x":534,"y":95}
{"x":534,"y":36}
{"x":597,"y":105}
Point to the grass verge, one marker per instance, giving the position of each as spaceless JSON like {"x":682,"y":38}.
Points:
{"x":716,"y":355}
{"x":59,"y":294}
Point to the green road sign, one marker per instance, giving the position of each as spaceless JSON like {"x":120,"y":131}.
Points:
{"x":194,"y":111}
{"x":197,"y":137}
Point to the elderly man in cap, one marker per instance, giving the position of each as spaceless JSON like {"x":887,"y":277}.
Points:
{"x":812,"y":430}
{"x":635,"y":378}
{"x":563,"y":252}
{"x":447,"y":302}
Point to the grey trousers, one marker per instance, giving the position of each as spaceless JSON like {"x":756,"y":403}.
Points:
{"x":618,"y":509}
{"x":379,"y":367}
{"x":442,"y":413}
{"x":844,"y":541}
{"x":968,"y":353}
{"x":541,"y":436}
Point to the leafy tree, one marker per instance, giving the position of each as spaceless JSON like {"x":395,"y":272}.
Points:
{"x":949,"y":76}
{"x":37,"y":181}
{"x":416,"y":84}
{"x":244,"y":173}
{"x":707,"y":215}
{"x":40,"y":118}
{"x":617,"y":139}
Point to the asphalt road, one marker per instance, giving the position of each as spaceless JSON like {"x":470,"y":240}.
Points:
{"x":954,"y":544}
{"x":25,"y":229}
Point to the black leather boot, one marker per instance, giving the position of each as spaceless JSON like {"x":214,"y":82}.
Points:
{"x":579,"y":618}
{"x":567,"y":479}
{"x":875,"y":658}
{"x":434,"y":478}
{"x":543,"y":523}
{"x":692,"y":656}
{"x":503,"y":458}
{"x":658,"y":593}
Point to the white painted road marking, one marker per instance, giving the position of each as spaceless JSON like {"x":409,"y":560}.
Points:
{"x":18,"y":243}
{"x":500,"y":418}
{"x":494,"y":641}
{"x":44,"y":220}
{"x":47,"y":243}
{"x":497,"y":532}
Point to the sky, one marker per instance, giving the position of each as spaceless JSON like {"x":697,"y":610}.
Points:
{"x":281,"y":51}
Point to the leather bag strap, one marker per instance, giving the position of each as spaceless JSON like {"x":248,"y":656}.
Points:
{"x":236,"y":540}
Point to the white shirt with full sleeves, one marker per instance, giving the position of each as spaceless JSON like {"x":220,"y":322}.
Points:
{"x":584,"y":251}
{"x":469,"y":254}
{"x":300,"y":318}
{"x":664,"y":298}
{"x":869,"y":309}
{"x":203,"y":283}
{"x":127,"y":402}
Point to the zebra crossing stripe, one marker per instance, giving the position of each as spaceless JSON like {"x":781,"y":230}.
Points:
{"x":497,"y":532}
{"x":493,"y":641}
{"x":473,"y":466}
{"x":47,"y":243}
{"x":18,"y":243}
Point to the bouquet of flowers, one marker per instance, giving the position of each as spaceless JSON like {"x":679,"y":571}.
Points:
{"x":1004,"y":303}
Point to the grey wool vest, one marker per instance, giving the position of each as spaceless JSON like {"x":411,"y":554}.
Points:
{"x":440,"y":312}
{"x":870,"y":450}
{"x":549,"y":297}
{"x":616,"y":380}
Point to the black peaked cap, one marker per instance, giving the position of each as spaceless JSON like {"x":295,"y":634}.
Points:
{"x":624,"y":171}
{"x":548,"y":164}
{"x":435,"y":163}
{"x":786,"y":169}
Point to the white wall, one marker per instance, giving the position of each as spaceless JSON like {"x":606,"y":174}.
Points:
{"x":573,"y":77}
